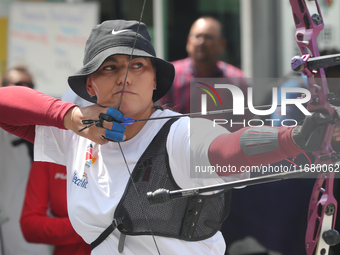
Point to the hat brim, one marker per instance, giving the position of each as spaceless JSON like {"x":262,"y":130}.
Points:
{"x":165,"y":72}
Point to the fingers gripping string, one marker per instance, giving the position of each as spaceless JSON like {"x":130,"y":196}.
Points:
{"x":121,"y":150}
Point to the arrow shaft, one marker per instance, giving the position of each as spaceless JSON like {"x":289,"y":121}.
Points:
{"x":200,"y":114}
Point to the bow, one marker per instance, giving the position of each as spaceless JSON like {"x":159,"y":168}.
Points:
{"x":320,"y":233}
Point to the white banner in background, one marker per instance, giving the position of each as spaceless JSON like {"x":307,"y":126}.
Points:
{"x":50,"y":39}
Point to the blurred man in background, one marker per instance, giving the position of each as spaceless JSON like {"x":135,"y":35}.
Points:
{"x":205,"y":44}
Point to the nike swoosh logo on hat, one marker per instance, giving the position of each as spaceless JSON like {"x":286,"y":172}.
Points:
{"x":119,"y":31}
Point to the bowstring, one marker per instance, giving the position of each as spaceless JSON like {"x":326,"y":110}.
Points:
{"x":133,"y":48}
{"x":120,"y":147}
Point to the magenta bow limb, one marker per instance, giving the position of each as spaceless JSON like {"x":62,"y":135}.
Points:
{"x":320,"y":233}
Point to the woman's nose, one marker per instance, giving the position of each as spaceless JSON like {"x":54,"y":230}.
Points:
{"x":123,"y":75}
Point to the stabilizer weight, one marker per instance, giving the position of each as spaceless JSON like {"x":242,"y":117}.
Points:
{"x":331,"y":237}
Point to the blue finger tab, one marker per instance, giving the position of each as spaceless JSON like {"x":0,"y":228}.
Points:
{"x":117,"y":115}
{"x":117,"y":127}
{"x":113,"y":135}
{"x":116,"y":133}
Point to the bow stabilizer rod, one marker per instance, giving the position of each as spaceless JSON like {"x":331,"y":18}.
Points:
{"x":164,"y":195}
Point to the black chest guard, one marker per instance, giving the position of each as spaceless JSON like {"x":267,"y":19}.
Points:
{"x":191,"y":219}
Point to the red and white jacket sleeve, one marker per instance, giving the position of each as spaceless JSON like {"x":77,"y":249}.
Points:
{"x":21,"y":109}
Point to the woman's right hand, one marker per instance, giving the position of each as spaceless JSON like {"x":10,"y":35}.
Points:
{"x":112,"y":130}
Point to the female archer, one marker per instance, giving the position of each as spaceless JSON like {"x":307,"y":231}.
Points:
{"x":107,"y":206}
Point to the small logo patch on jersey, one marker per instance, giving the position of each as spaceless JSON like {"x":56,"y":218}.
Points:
{"x":143,"y":170}
{"x":89,"y":158}
{"x":81,"y":182}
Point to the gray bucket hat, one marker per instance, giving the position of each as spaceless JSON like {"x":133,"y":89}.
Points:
{"x":114,"y":37}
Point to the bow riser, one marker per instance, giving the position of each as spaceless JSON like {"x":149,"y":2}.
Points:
{"x":307,"y":31}
{"x":305,"y":27}
{"x":322,"y":206}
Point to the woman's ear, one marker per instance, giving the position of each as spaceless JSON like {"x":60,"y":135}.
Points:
{"x":89,"y":87}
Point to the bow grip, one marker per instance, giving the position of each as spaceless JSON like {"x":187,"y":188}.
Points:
{"x":310,"y":135}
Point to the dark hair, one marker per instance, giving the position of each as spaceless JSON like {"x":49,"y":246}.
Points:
{"x":156,"y":106}
{"x":163,"y":107}
{"x":19,"y":68}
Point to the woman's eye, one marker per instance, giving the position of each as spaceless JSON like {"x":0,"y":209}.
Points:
{"x":137,"y":65}
{"x":109,"y":67}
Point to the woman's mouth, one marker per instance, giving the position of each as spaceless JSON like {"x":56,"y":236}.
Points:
{"x":124,"y":92}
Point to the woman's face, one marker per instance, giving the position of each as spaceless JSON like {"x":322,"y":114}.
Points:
{"x":107,"y":84}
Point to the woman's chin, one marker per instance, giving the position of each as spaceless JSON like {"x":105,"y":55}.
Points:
{"x":131,"y":110}
{"x":136,"y":113}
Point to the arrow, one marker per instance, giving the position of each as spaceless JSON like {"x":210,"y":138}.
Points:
{"x":128,"y":121}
